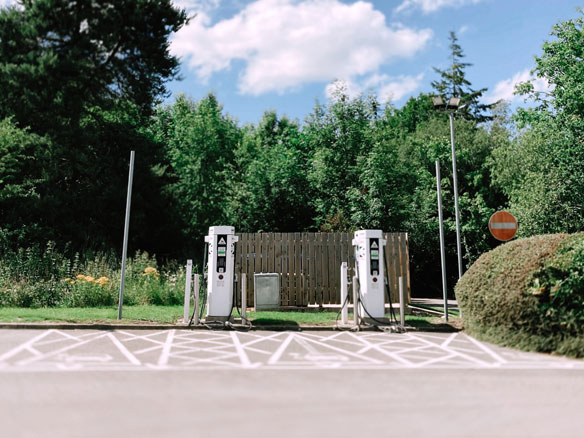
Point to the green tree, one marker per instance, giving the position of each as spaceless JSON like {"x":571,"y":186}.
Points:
{"x":453,"y":83}
{"x":542,"y":171}
{"x":269,"y":185}
{"x":85,"y":75}
{"x":339,"y":135}
{"x":200,"y":144}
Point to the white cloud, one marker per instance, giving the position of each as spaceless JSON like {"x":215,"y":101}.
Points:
{"x":4,"y":3}
{"x":463,"y":29}
{"x":504,"y":89}
{"x":287,"y":43}
{"x":428,"y":6}
{"x":387,"y":88}
{"x":196,"y":5}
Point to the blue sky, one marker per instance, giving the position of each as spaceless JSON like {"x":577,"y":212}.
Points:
{"x":285,"y":54}
{"x":257,"y":55}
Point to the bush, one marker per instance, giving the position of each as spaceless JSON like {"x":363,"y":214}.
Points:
{"x":528,"y":294}
{"x":43,"y":277}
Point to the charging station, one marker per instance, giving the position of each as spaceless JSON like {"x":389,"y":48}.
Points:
{"x":369,"y":258}
{"x":221,"y":267}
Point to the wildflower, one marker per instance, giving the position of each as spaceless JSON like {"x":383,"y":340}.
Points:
{"x":102,"y":281}
{"x":149,"y":271}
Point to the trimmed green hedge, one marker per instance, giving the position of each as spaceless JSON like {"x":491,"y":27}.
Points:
{"x":528,"y":294}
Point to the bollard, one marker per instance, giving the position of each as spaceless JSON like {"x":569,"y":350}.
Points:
{"x":402,"y":303}
{"x":344,"y":295}
{"x":196,"y":293}
{"x":355,"y":302}
{"x":243,"y":297}
{"x":187,"y":302}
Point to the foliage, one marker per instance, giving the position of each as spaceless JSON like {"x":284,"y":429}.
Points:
{"x":44,"y":277}
{"x":529,"y":294}
{"x":268,"y":179}
{"x":541,"y":172}
{"x":79,"y":79}
{"x":199,"y":145}
{"x":453,"y":83}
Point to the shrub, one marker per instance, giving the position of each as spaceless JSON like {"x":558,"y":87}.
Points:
{"x":529,"y":294}
{"x":43,"y":277}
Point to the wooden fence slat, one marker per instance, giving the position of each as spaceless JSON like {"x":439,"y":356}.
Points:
{"x":328,"y":267}
{"x":336,"y":298}
{"x":297,"y":270}
{"x":304,"y":270}
{"x":310,"y":265}
{"x":405,"y":264}
{"x":277,"y":244}
{"x":288,"y":268}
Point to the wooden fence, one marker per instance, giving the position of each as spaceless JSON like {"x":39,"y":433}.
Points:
{"x":309,"y":264}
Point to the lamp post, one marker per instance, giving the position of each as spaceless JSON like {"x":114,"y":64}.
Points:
{"x":451,"y":107}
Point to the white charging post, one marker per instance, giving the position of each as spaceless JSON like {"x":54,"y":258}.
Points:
{"x":221,"y":268}
{"x":369,"y":246}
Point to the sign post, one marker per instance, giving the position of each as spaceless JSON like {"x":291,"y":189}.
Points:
{"x":503,"y":226}
{"x":126,"y":230}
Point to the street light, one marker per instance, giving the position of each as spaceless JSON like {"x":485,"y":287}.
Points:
{"x":451,"y":107}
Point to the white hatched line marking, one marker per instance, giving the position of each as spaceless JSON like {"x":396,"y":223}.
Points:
{"x":25,"y":346}
{"x":163,"y":359}
{"x":56,"y":352}
{"x":435,"y":360}
{"x":278,"y":353}
{"x":487,"y":350}
{"x":369,"y":345}
{"x":245,"y":362}
{"x":124,"y":350}
{"x":187,"y":350}
{"x":342,"y":351}
{"x":448,"y":340}
{"x":466,"y":356}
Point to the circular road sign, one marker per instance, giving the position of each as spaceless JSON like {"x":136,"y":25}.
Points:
{"x":503,"y":226}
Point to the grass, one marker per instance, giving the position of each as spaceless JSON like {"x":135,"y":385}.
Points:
{"x":171,"y":314}
{"x":160,"y":314}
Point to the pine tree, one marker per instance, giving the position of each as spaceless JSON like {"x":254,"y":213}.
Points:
{"x":453,"y":83}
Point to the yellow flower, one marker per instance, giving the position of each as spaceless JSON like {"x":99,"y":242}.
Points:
{"x":149,"y":271}
{"x":102,"y":281}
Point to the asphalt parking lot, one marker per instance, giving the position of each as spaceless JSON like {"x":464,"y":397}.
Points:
{"x":195,"y":383}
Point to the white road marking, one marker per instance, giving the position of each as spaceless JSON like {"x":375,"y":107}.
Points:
{"x":25,"y":346}
{"x":278,"y":353}
{"x":124,"y":350}
{"x":487,"y":350}
{"x":60,"y":351}
{"x":163,"y":359}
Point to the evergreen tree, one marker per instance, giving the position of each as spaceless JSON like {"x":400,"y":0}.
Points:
{"x":453,"y":83}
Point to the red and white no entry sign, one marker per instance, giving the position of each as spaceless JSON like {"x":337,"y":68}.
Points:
{"x":503,"y":226}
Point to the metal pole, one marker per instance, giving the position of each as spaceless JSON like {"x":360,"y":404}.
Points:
{"x":455,"y":183}
{"x":126,"y":230}
{"x":344,"y":294}
{"x":187,"y":302}
{"x":402,"y":303}
{"x":243,"y":297}
{"x":196,"y":304}
{"x":442,"y":255}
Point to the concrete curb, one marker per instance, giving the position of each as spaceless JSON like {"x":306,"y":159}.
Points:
{"x":121,"y":326}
